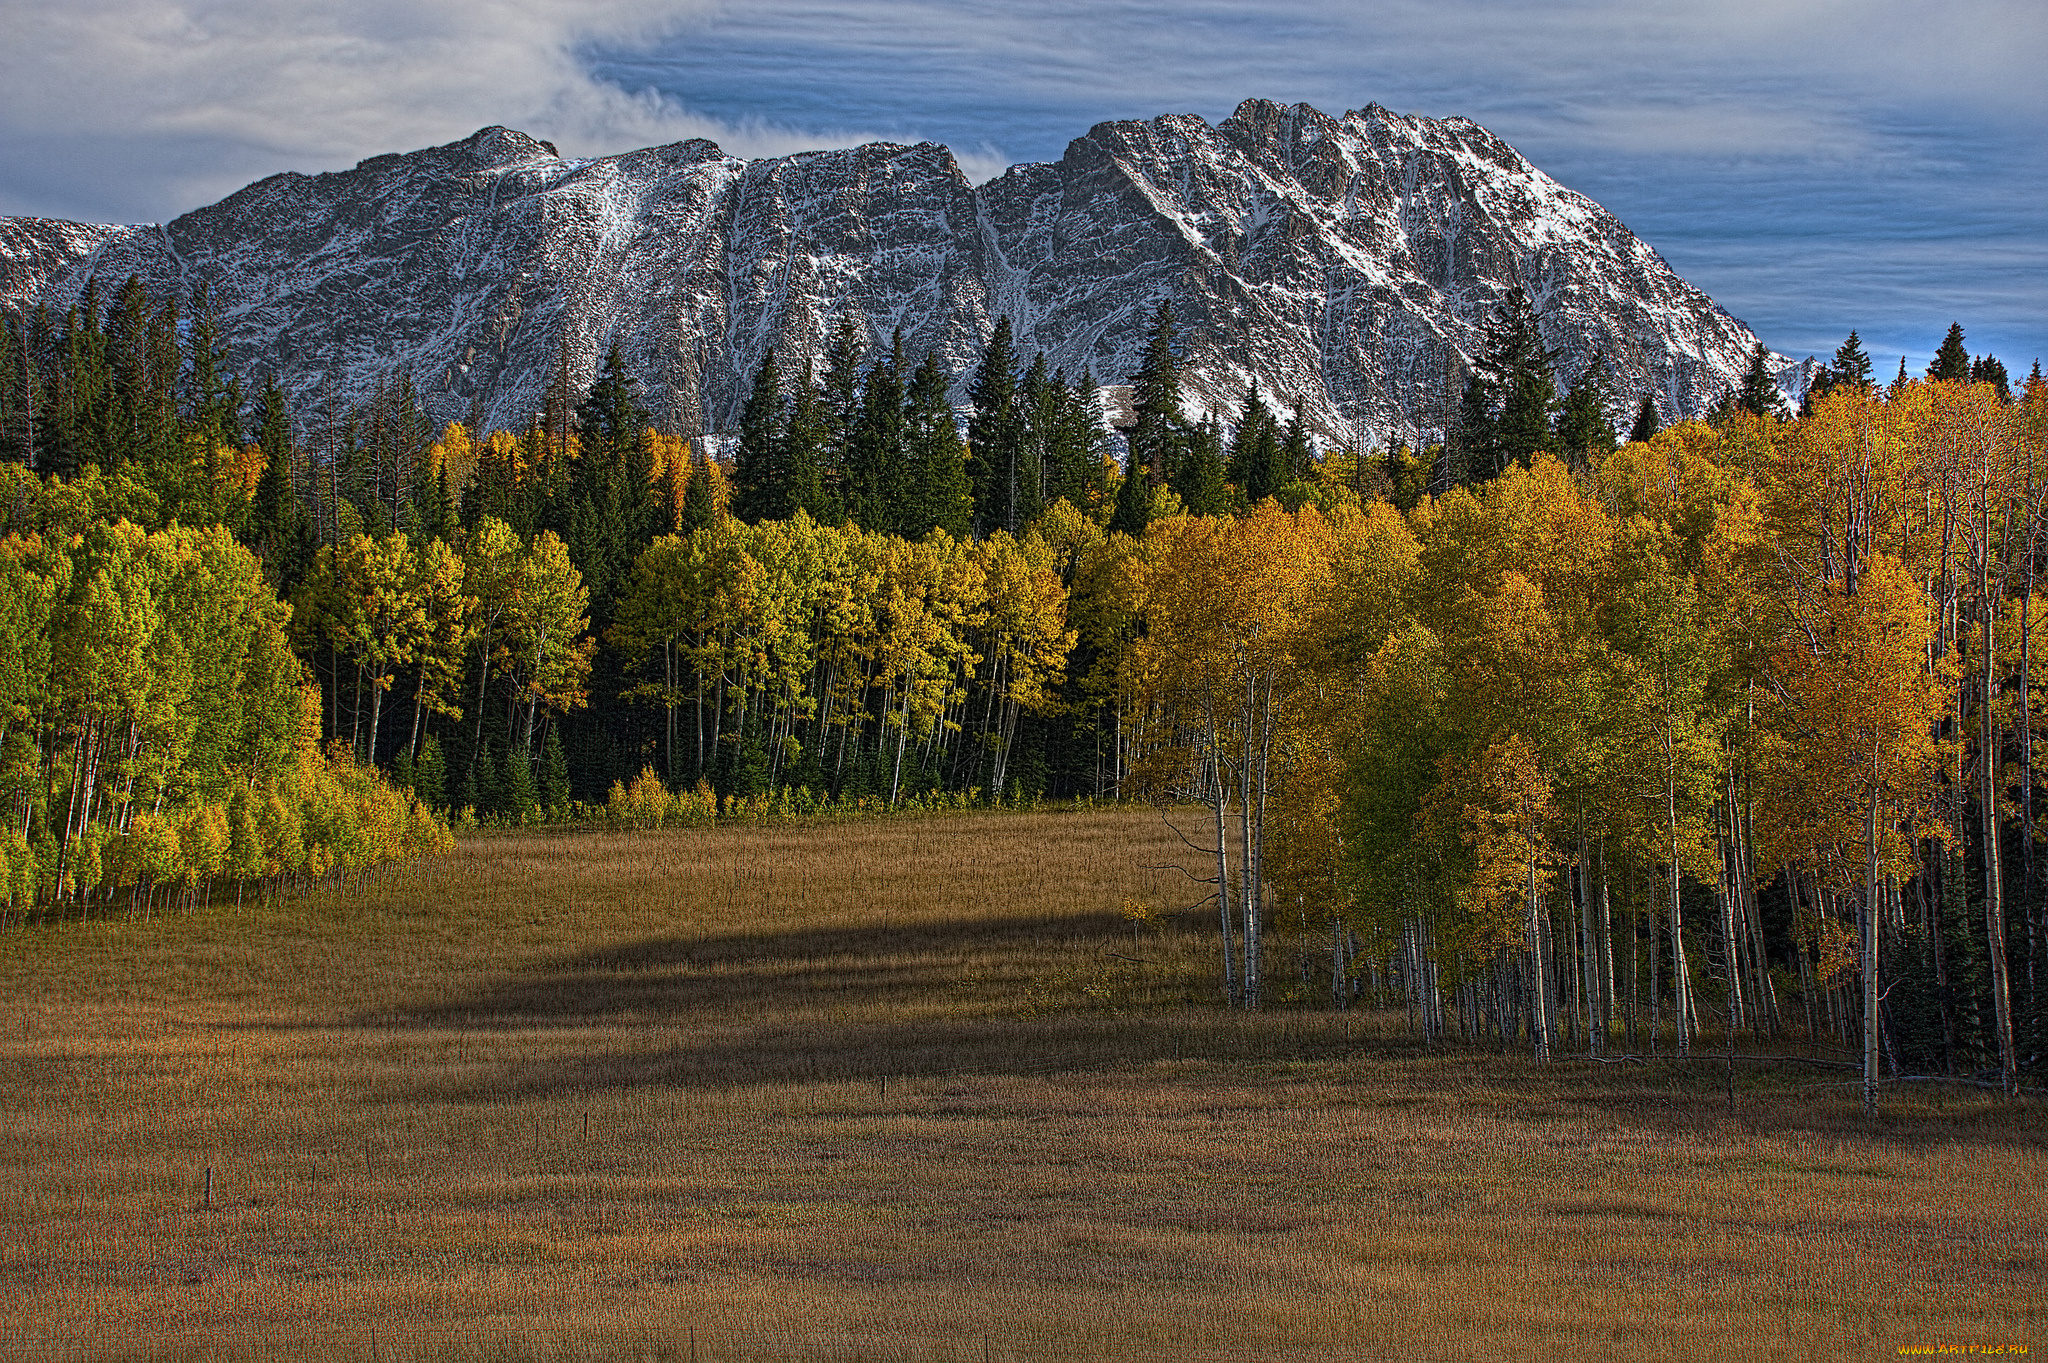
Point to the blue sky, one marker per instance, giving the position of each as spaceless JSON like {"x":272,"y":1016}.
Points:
{"x":1812,"y":164}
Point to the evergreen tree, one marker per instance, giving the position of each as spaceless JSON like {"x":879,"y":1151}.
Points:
{"x":1073,"y":460}
{"x":1199,"y":478}
{"x":995,"y":434}
{"x":554,"y":772}
{"x":1133,"y":501}
{"x":1647,"y":424}
{"x":1899,"y":383}
{"x":935,"y":487}
{"x":1952,"y":360}
{"x":1253,"y":465}
{"x":1758,"y":393}
{"x":874,"y":472}
{"x":700,"y":510}
{"x":1297,"y":452}
{"x":280,"y":533}
{"x":1157,"y":432}
{"x":1583,"y":435}
{"x":760,"y":492}
{"x":839,"y":404}
{"x":1987,"y":369}
{"x":430,"y":774}
{"x":806,"y":455}
{"x":612,"y":512}
{"x":1505,"y":415}
{"x":1851,"y":364}
{"x":1038,"y":405}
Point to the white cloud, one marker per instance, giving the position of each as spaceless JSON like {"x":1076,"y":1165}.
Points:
{"x":181,"y":103}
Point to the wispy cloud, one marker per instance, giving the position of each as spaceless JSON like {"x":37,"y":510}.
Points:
{"x":1765,"y":131}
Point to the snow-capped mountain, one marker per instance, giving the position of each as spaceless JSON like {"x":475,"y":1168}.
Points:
{"x":1345,"y":263}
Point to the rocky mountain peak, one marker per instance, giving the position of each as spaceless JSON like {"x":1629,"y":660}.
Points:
{"x":1344,"y":263}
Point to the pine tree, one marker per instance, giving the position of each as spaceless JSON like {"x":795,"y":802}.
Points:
{"x":1253,"y":465}
{"x":1952,"y":361}
{"x":760,"y":492}
{"x":612,"y":511}
{"x":1583,"y":435}
{"x":700,"y":510}
{"x":1156,"y":435}
{"x":1297,"y":453}
{"x":1647,"y":424}
{"x":1133,"y":502}
{"x":936,"y":491}
{"x":1851,"y":364}
{"x":1899,"y":384}
{"x":1505,"y":414}
{"x":838,"y":412}
{"x":280,"y":533}
{"x":1199,"y":479}
{"x":995,"y":434}
{"x":874,"y":472}
{"x":1758,"y":393}
{"x":1987,"y":369}
{"x":554,"y":772}
{"x":806,"y":457}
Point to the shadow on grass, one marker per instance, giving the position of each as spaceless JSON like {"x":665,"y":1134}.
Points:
{"x":732,"y":977}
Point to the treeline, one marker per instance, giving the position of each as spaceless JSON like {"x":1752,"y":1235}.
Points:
{"x":1728,"y":731}
{"x":1585,"y":741}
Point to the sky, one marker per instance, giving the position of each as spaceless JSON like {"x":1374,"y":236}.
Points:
{"x":1814,"y":165}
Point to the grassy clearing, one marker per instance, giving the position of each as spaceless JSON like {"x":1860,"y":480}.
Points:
{"x":917,"y":1090}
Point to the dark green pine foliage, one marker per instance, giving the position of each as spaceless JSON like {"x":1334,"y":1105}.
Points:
{"x":1647,"y":425}
{"x":211,"y":403}
{"x":430,"y":774}
{"x":1758,"y":393}
{"x":612,"y":515}
{"x":995,"y":434}
{"x":53,"y":394}
{"x":552,"y":780}
{"x":700,"y":511}
{"x":279,"y":532}
{"x":1198,"y":478}
{"x":1039,"y":399}
{"x":1987,"y":369}
{"x":17,"y":388}
{"x":1583,"y":433}
{"x":839,"y":407}
{"x":1297,"y":451}
{"x":935,"y":488}
{"x":1505,"y":415}
{"x":1074,"y":467}
{"x":874,"y":473}
{"x":434,"y":514}
{"x":1133,"y":510}
{"x":807,"y":455}
{"x":1899,"y":384}
{"x":1952,"y":361}
{"x":760,"y":488}
{"x":1851,"y":364}
{"x":1158,"y":431}
{"x":1254,"y":464}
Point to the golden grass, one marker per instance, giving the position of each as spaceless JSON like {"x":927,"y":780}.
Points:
{"x":910,"y":1090}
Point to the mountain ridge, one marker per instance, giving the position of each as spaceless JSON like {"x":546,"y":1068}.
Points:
{"x":1349,"y":263}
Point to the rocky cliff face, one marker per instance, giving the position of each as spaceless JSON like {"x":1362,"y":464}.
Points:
{"x":1347,"y":263}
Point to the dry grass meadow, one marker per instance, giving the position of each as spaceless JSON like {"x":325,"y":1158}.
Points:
{"x":911,"y":1090}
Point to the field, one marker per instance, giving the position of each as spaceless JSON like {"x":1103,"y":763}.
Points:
{"x":912,"y":1089}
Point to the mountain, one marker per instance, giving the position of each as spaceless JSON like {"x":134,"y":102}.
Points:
{"x":1348,"y":263}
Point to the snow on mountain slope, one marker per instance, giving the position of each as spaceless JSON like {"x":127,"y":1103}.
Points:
{"x":1345,"y":263}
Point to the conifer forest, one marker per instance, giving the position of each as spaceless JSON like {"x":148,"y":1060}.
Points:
{"x":1572,"y":742}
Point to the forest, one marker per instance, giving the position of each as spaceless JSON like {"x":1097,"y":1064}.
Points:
{"x":1559,"y":739}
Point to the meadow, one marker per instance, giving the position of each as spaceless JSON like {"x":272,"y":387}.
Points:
{"x":914,"y":1089}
